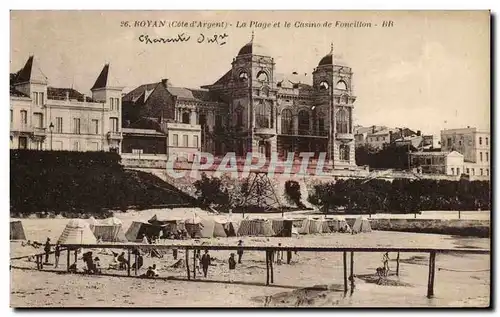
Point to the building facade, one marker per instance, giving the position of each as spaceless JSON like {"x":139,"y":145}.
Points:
{"x":444,"y":163}
{"x":48,"y":118}
{"x":473,"y":144}
{"x":252,"y":108}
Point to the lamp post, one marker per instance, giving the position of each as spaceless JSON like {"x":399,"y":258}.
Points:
{"x":51,"y":128}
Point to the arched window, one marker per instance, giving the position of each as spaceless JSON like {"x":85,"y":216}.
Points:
{"x":344,"y":152}
{"x":323,"y":85}
{"x":286,"y":121}
{"x":304,"y":122}
{"x":263,"y":115}
{"x":342,"y":121}
{"x":262,"y":76}
{"x":341,"y":85}
{"x":185,"y":117}
{"x":345,"y":99}
{"x":321,"y":123}
{"x":243,"y":76}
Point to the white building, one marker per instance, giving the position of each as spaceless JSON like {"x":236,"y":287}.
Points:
{"x":445,"y":163}
{"x":48,"y":118}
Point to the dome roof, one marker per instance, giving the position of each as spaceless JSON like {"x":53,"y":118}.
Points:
{"x":332,"y":59}
{"x":253,"y":48}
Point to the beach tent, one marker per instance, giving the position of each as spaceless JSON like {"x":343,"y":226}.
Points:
{"x":168,"y":222}
{"x":109,"y":230}
{"x":139,"y":228}
{"x":256,"y":227}
{"x":77,"y":231}
{"x":17,"y":230}
{"x":219,"y":230}
{"x":198,"y":227}
{"x":231,"y":227}
{"x":338,"y":224}
{"x":310,"y":226}
{"x":282,"y":227}
{"x":325,"y":226}
{"x":361,"y":225}
{"x":92,"y":221}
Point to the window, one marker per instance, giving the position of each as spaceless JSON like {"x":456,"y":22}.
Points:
{"x":286,"y":121}
{"x":23,"y":142}
{"x":117,"y":104}
{"x":383,"y":138}
{"x":449,"y":142}
{"x":467,"y":171}
{"x":76,"y":146}
{"x":428,"y":161}
{"x":303,"y":122}
{"x":202,"y":120}
{"x":24,"y":117}
{"x":218,"y":121}
{"x":344,"y":152}
{"x":343,"y":121}
{"x":481,"y":171}
{"x":321,"y":123}
{"x":76,"y":125}
{"x":59,"y":124}
{"x":460,"y":142}
{"x":35,"y":98}
{"x":239,"y":117}
{"x":38,"y":98}
{"x":458,"y":171}
{"x":185,"y":141}
{"x":263,"y":115}
{"x":195,"y":140}
{"x":341,"y":85}
{"x":486,"y":139}
{"x":185,"y":117}
{"x":344,"y":99}
{"x":262,"y":76}
{"x":113,"y":122}
{"x":94,"y":126}
{"x":487,"y":172}
{"x":452,"y":171}
{"x":481,"y":156}
{"x":38,"y":120}
{"x":112,"y":103}
{"x":175,"y":140}
{"x":243,"y":76}
{"x":323,"y":85}
{"x":377,"y":137}
{"x":11,"y":116}
{"x":473,"y":171}
{"x":486,"y":156}
{"x":480,"y":140}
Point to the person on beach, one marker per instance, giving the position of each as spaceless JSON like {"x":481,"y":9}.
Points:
{"x":73,"y":268}
{"x":205,"y":263}
{"x":240,"y":251}
{"x":57,"y":254}
{"x":174,"y":253}
{"x":47,"y":250}
{"x":123,"y":262}
{"x":279,"y":255}
{"x":197,"y":260}
{"x":288,"y":257}
{"x":232,"y":267}
{"x":97,"y":265}
{"x":154,"y":270}
{"x":140,"y":261}
{"x":385,"y":260}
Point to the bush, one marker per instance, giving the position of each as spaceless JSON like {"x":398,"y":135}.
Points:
{"x":292,"y":193}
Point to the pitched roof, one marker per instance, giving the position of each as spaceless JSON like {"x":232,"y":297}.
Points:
{"x":31,"y":72}
{"x":436,"y":153}
{"x":192,"y":94}
{"x":135,"y":94}
{"x":224,"y":79}
{"x":105,"y":79}
{"x":60,"y":94}
{"x":384,"y":131}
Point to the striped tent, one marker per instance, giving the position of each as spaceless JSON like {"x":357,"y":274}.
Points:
{"x":282,"y":227}
{"x":77,"y":231}
{"x":109,"y":230}
{"x":361,"y":225}
{"x":17,"y":230}
{"x":310,"y":226}
{"x":256,"y":227}
{"x":325,"y":226}
{"x":198,"y":227}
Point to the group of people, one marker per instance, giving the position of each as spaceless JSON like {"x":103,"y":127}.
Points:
{"x":47,"y":249}
{"x":180,"y":234}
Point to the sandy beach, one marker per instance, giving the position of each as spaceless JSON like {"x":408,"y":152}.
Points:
{"x":461,"y":280}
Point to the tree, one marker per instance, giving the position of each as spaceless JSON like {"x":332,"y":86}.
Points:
{"x":292,"y":193}
{"x":211,"y":191}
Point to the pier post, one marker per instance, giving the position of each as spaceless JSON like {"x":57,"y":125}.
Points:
{"x":76,"y":255}
{"x":128,"y":262}
{"x":67,"y":259}
{"x":352,"y":265}
{"x":135,"y":259}
{"x":432,"y":271}
{"x":397,"y":265}
{"x":187,"y":264}
{"x":271,"y":260}
{"x":267,"y":267}
{"x":345,"y":270}
{"x":194,"y":264}
{"x":37,"y":262}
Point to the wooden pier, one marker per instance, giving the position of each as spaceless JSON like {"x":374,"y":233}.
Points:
{"x":270,"y":252}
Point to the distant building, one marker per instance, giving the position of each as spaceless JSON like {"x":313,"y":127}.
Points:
{"x":473,"y":144}
{"x":361,"y":134}
{"x":48,"y":118}
{"x":419,"y":142}
{"x":445,"y":163}
{"x":382,"y":138}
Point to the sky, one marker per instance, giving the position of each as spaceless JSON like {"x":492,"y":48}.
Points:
{"x":430,"y":71}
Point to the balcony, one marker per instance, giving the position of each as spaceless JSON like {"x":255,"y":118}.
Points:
{"x":264,"y":133}
{"x":39,"y":131}
{"x":114,"y":135}
{"x":344,"y":136}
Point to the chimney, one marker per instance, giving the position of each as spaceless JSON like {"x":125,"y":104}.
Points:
{"x":419,"y":133}
{"x":67,"y":95}
{"x":164,"y":81}
{"x":84,"y":98}
{"x":373,"y":129}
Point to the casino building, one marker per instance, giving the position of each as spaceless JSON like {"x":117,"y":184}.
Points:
{"x":250,"y":108}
